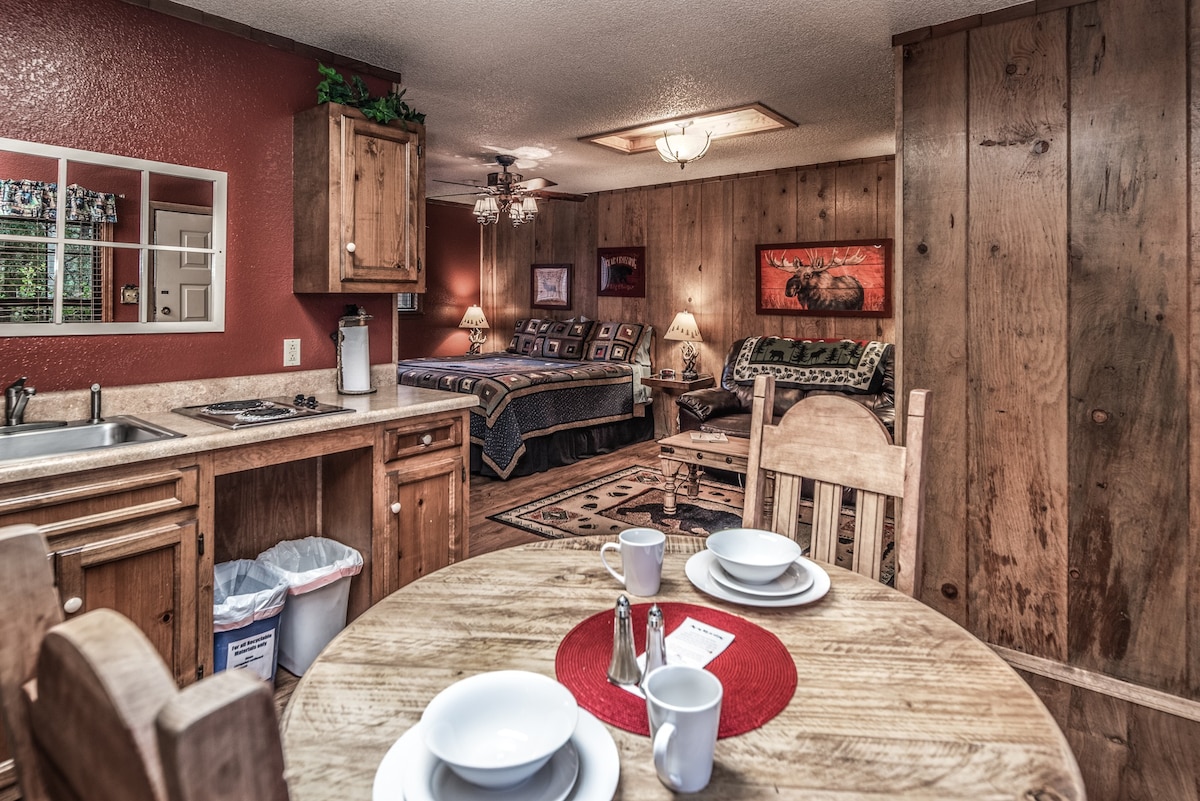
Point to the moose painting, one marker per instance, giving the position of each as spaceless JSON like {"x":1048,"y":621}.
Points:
{"x":849,"y":279}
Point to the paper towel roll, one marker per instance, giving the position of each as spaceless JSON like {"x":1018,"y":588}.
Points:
{"x":355,"y":361}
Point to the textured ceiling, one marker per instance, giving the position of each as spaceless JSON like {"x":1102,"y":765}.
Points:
{"x":529,"y":77}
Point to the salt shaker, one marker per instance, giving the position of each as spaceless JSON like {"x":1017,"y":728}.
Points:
{"x":656,"y":646}
{"x":623,"y":669}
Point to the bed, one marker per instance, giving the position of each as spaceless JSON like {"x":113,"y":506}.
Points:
{"x":562,"y":390}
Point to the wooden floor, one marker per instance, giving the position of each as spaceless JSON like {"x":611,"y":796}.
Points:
{"x":489,"y":496}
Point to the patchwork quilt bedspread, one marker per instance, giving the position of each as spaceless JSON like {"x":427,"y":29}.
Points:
{"x":522,"y":397}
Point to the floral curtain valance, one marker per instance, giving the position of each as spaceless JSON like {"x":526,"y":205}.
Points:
{"x":39,"y":200}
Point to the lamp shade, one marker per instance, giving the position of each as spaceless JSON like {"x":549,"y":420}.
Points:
{"x":684,"y":327}
{"x":473,"y":318}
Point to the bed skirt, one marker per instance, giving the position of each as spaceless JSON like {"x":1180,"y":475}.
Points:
{"x":569,"y":446}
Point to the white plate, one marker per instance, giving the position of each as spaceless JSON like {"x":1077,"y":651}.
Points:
{"x":796,"y":579}
{"x":552,"y":782}
{"x":408,"y":760}
{"x":698,"y":573}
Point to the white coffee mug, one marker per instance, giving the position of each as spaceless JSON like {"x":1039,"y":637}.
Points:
{"x":641,"y":552}
{"x":684,"y":704}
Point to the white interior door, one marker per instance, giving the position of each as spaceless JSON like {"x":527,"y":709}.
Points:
{"x":182,"y":281}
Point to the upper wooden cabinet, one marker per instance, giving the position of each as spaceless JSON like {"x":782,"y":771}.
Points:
{"x":359,"y":203}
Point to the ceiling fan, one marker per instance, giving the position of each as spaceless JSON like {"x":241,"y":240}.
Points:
{"x":506,"y":192}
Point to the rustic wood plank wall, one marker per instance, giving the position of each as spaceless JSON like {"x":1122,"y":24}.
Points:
{"x":699,"y":238}
{"x":1048,"y":273}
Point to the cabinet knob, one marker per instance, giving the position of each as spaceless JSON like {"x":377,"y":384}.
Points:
{"x":72,"y":605}
{"x":349,"y":247}
{"x":427,"y":439}
{"x":396,"y":508}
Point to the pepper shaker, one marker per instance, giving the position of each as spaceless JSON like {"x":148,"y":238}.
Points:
{"x":656,"y":646}
{"x":623,"y":669}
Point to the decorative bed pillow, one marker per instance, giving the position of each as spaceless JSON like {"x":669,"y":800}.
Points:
{"x":808,"y":364}
{"x":564,"y":340}
{"x":615,"y":342}
{"x":524,"y":341}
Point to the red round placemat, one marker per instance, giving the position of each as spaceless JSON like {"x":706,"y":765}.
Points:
{"x":756,"y":669}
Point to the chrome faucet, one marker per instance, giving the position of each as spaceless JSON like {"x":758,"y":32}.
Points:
{"x":16,"y":397}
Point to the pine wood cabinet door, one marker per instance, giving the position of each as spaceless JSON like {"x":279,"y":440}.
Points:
{"x":150,"y":575}
{"x":381,"y":174}
{"x":428,"y":516}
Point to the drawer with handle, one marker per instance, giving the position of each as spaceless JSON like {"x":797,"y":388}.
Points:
{"x":404,"y":440}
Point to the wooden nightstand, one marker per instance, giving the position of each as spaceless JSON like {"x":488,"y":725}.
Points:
{"x":666,"y":415}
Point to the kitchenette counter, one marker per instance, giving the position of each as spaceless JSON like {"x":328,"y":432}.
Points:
{"x":153,"y":403}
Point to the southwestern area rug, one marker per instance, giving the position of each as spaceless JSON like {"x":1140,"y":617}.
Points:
{"x":634,"y":497}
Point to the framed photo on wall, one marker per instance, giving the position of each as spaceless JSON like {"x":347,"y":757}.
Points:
{"x":621,"y":272}
{"x":550,"y":286}
{"x":850,"y":278}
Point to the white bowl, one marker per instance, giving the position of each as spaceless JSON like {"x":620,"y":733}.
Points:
{"x":752,"y":555}
{"x":497,"y":729}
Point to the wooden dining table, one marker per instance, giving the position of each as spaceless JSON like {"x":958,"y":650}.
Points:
{"x":893,"y":699}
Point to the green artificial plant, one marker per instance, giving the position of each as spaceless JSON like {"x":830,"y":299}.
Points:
{"x":335,"y":89}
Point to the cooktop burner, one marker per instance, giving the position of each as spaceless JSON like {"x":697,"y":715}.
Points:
{"x":259,"y":411}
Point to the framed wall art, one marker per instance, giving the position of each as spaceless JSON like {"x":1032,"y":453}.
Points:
{"x":550,"y":286}
{"x":621,"y":272}
{"x":847,"y":278}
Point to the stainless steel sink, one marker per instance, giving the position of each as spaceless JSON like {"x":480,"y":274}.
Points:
{"x":30,"y":443}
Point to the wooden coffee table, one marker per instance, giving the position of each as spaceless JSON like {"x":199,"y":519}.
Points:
{"x":681,"y":449}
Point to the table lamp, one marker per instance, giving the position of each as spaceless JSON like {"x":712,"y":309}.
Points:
{"x":474,"y":320}
{"x":684,"y":329}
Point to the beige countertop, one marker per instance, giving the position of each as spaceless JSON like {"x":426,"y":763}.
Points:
{"x":153,"y":403}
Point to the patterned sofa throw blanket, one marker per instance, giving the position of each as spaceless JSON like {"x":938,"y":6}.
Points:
{"x":806,"y":364}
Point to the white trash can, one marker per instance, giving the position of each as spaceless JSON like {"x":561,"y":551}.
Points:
{"x":318,"y":572}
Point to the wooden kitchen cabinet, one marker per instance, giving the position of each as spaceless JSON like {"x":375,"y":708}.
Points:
{"x":359,"y":203}
{"x":425,"y":480}
{"x":143,"y":538}
{"x":126,"y":538}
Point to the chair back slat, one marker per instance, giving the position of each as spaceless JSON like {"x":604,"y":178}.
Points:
{"x":219,"y":741}
{"x":837,"y":444}
{"x":870,"y":516}
{"x":31,"y":607}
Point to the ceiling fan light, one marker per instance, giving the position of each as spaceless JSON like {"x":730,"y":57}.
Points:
{"x":486,"y":210}
{"x":683,"y":147}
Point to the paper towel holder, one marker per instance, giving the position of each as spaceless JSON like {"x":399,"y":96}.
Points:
{"x":353,"y":352}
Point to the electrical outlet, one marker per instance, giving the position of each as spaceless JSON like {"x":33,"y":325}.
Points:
{"x":291,"y":353}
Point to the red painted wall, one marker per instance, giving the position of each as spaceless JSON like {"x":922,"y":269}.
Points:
{"x":108,"y":76}
{"x":452,"y":246}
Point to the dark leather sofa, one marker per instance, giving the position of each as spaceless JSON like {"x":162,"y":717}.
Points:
{"x":863,"y":371}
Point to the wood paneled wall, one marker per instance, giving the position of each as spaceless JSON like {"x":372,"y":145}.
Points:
{"x":699,"y":238}
{"x":1048,"y":303}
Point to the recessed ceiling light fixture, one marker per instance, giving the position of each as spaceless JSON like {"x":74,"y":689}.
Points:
{"x":683,"y":147}
{"x":738,"y":121}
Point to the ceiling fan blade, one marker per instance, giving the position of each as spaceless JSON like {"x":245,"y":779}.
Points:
{"x":537,"y":183}
{"x":452,"y":194}
{"x":542,"y":194}
{"x":459,"y":183}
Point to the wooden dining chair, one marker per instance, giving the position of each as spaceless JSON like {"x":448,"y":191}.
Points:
{"x":837,"y":443}
{"x":100,"y":684}
{"x":92,"y":712}
{"x":31,"y":608}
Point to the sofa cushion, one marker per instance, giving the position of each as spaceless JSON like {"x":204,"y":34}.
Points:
{"x":564,"y":340}
{"x":524,"y":340}
{"x":615,"y":341}
{"x":802,"y":364}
